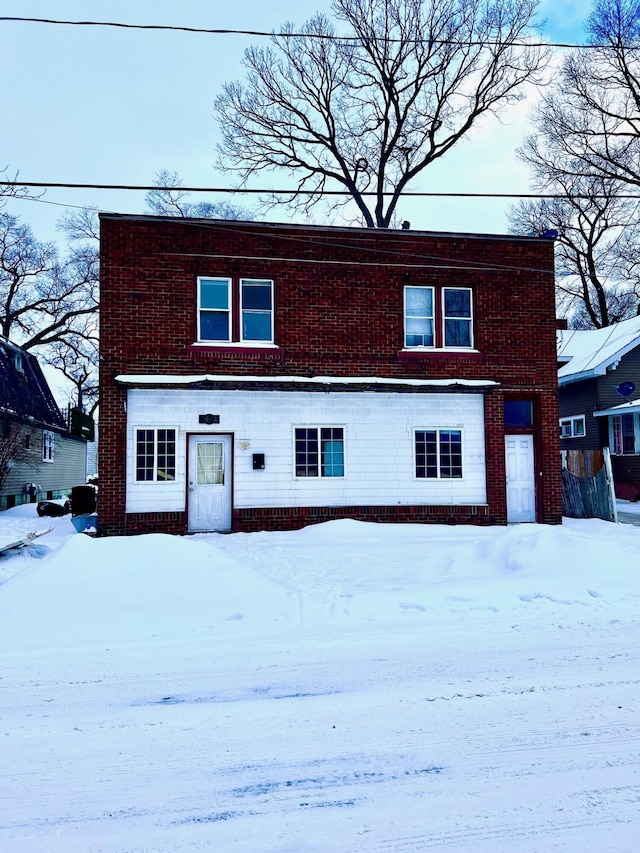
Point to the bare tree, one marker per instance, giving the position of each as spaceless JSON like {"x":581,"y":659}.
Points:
{"x":11,"y":188}
{"x":82,"y":225}
{"x":591,"y":116}
{"x":366,"y":114}
{"x":594,"y":282}
{"x":15,"y":447}
{"x":173,"y":202}
{"x":586,"y":148}
{"x":77,"y":359}
{"x":43,"y":300}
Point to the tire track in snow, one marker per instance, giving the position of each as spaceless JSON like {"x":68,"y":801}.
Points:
{"x":469,"y":838}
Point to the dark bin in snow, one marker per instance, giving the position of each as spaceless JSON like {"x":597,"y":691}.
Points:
{"x":83,"y":500}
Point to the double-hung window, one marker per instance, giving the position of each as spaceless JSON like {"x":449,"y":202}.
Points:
{"x":235,"y":311}
{"x":438,"y":317}
{"x":573,"y":427}
{"x":419,"y":317}
{"x":214,"y":309}
{"x":48,"y":446}
{"x":155,"y":455}
{"x":438,"y":454}
{"x":256,"y":305}
{"x":319,"y":451}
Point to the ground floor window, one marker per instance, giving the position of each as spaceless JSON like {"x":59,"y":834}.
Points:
{"x":623,"y":434}
{"x":155,"y":455}
{"x":438,"y":453}
{"x":48,"y":446}
{"x":319,"y":451}
{"x":572,"y":427}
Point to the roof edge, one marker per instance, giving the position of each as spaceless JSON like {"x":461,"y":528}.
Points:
{"x":186,"y":220}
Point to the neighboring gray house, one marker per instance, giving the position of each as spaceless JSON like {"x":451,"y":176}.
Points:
{"x":599,"y":395}
{"x":39,"y":457}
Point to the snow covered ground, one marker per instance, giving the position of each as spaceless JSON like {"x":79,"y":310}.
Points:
{"x":346,"y":687}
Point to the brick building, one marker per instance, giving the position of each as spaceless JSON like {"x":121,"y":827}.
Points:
{"x":265,"y":376}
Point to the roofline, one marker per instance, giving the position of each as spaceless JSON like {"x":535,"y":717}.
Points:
{"x":142,"y":380}
{"x":601,"y":368}
{"x":13,"y":346}
{"x":580,"y":377}
{"x":632,"y":406}
{"x":320,"y":229}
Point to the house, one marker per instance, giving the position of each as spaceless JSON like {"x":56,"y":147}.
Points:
{"x":266,"y":376}
{"x":40,"y":458}
{"x":599,"y":396}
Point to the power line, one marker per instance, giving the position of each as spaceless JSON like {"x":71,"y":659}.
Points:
{"x":265,"y":34}
{"x":296,"y":192}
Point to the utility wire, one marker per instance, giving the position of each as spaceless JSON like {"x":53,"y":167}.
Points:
{"x":294,"y":192}
{"x":264,"y":33}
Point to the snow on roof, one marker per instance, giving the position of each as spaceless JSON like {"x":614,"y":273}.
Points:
{"x":593,"y":352}
{"x":172,"y":379}
{"x":623,"y":408}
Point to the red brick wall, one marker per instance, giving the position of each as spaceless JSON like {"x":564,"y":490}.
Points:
{"x":331,"y":318}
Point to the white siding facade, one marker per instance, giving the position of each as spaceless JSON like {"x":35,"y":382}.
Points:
{"x":378,"y":442}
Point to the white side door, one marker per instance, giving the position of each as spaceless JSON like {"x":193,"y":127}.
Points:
{"x":521,"y":487}
{"x":209,"y":496}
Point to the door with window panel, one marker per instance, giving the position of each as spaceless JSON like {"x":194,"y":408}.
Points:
{"x":210,"y":478}
{"x":623,"y":429}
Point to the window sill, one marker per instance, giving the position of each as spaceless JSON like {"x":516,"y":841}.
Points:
{"x":440,"y":352}
{"x":267,"y":352}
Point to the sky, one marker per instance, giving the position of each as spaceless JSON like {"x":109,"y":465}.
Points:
{"x":99,"y":105}
{"x":380,"y":688}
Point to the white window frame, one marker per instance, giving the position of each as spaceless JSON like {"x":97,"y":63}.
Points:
{"x":431,"y":317}
{"x":201,"y":310}
{"x":438,"y":476}
{"x":616,"y":436}
{"x":318,"y":428}
{"x":241,"y":309}
{"x":468,"y":319}
{"x":155,"y":430}
{"x":48,"y":446}
{"x":568,"y":426}
{"x":438,"y":319}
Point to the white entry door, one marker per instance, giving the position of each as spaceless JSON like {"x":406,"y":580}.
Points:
{"x":521,"y":487}
{"x":209,"y":483}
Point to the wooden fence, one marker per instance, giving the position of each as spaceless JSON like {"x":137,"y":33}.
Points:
{"x":587,"y":485}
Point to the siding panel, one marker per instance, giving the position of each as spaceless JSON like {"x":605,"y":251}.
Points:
{"x":378,"y":446}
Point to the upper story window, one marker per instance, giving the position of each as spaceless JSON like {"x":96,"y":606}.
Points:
{"x":214,"y":309}
{"x":438,"y":318}
{"x":48,"y":446}
{"x":573,"y":427}
{"x":240,"y":312}
{"x":256,"y":305}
